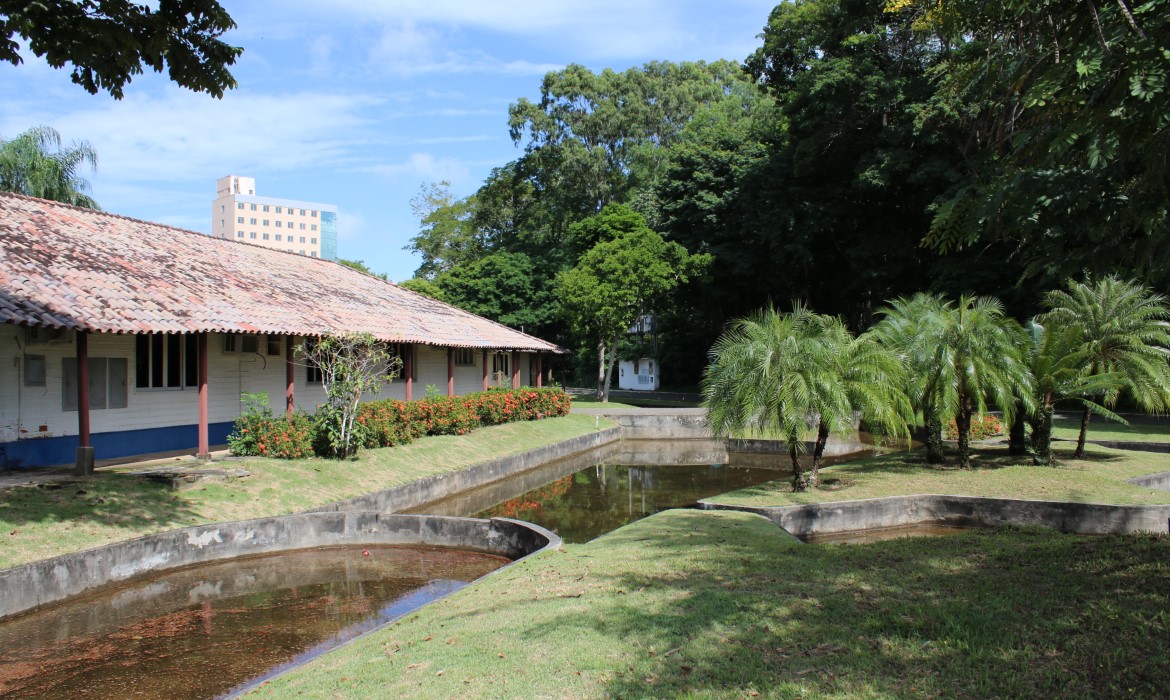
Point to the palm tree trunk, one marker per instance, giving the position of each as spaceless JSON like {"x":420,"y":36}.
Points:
{"x":1080,"y":453}
{"x":818,"y":451}
{"x":934,"y":441}
{"x":798,"y":481}
{"x":963,"y":423}
{"x":1017,"y":437}
{"x":1042,"y":435}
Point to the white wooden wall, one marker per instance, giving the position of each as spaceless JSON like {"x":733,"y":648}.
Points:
{"x":229,"y":375}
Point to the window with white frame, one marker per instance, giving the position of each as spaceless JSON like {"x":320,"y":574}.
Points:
{"x":107,"y":383}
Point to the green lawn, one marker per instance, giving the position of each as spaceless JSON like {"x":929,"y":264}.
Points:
{"x":1098,"y":479}
{"x":689,"y":604}
{"x":1101,"y":429}
{"x":37,"y":522}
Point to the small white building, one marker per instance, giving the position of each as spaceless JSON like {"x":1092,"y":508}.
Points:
{"x":638,"y":375}
{"x":126,"y":337}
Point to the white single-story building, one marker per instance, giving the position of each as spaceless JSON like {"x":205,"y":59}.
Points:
{"x":638,"y":375}
{"x":124,"y":337}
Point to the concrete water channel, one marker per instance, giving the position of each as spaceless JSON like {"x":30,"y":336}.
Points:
{"x":205,"y":611}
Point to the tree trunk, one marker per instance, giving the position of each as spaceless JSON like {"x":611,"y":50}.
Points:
{"x":934,"y":441}
{"x":963,"y":423}
{"x":1080,"y":453}
{"x":613,"y":348}
{"x":602,"y":388}
{"x":798,"y":481}
{"x":1017,"y":437}
{"x":1042,"y":435}
{"x":818,"y":452}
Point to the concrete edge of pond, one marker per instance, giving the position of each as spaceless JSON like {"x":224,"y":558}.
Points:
{"x":554,"y":542}
{"x":433,"y":488}
{"x":1158,"y":482}
{"x":959,"y":511}
{"x":53,"y":580}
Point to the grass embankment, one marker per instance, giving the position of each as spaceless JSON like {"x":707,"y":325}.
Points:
{"x":1100,"y":478}
{"x":690,"y":604}
{"x":37,"y":522}
{"x":1100,"y":429}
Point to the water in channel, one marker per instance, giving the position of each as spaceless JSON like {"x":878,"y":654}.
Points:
{"x":204,"y":631}
{"x":586,"y":496}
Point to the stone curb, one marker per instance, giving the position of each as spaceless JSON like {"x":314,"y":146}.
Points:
{"x":960,"y":511}
{"x":52,"y":580}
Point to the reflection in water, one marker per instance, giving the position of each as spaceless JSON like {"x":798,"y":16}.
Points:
{"x":586,"y":496}
{"x":203,"y":631}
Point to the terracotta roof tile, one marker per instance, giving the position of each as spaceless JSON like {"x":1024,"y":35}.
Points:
{"x":62,"y":266}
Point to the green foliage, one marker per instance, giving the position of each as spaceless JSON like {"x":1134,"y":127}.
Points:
{"x":504,"y":287}
{"x":802,"y":374}
{"x":107,"y":43}
{"x":447,"y":237}
{"x":628,"y":272}
{"x":351,"y":365}
{"x":1119,"y":338}
{"x":258,"y":433}
{"x":33,"y":163}
{"x":424,"y":287}
{"x":392,"y":422}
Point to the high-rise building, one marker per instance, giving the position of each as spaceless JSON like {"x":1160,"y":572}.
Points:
{"x":307,"y":228}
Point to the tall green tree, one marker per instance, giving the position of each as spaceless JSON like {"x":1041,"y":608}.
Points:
{"x":802,"y":374}
{"x":625,"y":274}
{"x":447,"y":236}
{"x":1123,"y":329}
{"x":504,"y":287}
{"x":108,"y":42}
{"x":1060,"y":371}
{"x":910,"y":327}
{"x":35,"y":164}
{"x":1063,"y":108}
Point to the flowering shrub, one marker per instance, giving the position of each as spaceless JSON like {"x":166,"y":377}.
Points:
{"x":390,"y":422}
{"x":982,"y":428}
{"x":257,"y":432}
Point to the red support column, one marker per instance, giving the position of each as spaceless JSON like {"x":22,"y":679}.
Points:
{"x":204,"y":446}
{"x":515,"y":369}
{"x":84,"y":462}
{"x":450,"y":371}
{"x":539,"y":369}
{"x":485,"y":370}
{"x":290,"y":378}
{"x":408,"y":350}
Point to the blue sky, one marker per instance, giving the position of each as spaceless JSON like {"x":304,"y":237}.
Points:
{"x":358,"y":103}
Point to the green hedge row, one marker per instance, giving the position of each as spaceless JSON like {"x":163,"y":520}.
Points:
{"x":392,"y":422}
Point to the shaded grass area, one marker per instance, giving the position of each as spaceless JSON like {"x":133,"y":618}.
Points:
{"x":689,"y":604}
{"x":41,"y":521}
{"x":1100,"y":429}
{"x":1100,"y":478}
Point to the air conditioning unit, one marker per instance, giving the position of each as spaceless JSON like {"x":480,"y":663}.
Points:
{"x":40,"y":335}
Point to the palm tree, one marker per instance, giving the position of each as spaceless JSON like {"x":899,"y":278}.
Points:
{"x":34,"y":164}
{"x":910,"y":328}
{"x":800,"y":373}
{"x":1122,"y":331}
{"x":1058,"y":362}
{"x":977,"y":362}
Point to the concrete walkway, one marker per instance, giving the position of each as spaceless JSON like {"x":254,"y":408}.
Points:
{"x":176,"y":459}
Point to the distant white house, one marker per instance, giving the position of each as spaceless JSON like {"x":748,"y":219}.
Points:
{"x":638,"y":375}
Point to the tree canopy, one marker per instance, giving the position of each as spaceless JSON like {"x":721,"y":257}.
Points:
{"x":108,"y":42}
{"x":35,"y":164}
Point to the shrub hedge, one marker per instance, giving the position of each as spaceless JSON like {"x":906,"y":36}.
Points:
{"x":393,"y":422}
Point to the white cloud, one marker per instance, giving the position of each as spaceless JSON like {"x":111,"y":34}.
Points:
{"x":422,"y":166}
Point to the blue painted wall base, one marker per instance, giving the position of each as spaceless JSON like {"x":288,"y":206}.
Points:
{"x":47,"y":452}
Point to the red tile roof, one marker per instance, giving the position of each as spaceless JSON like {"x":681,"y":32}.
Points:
{"x":66,"y":267}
